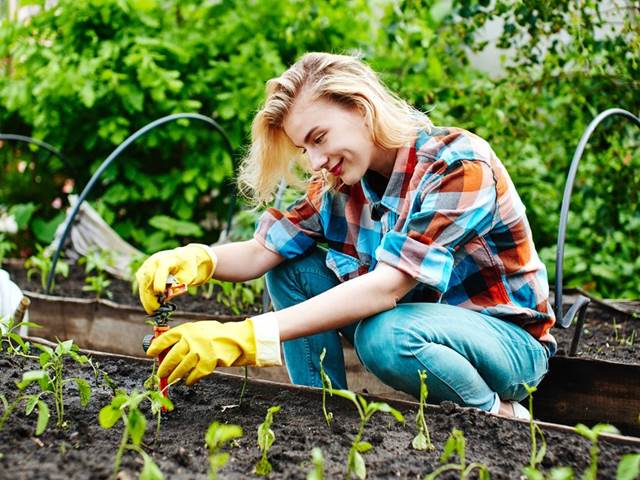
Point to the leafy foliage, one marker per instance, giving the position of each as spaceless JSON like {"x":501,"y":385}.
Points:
{"x":422,"y":440}
{"x":84,"y":81}
{"x":217,"y":436}
{"x":266,"y":437}
{"x":41,"y":263}
{"x":456,"y":445}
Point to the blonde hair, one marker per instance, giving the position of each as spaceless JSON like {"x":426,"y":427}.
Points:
{"x":344,"y":79}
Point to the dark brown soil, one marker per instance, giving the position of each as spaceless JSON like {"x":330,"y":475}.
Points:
{"x":120,"y":291}
{"x":84,"y":450}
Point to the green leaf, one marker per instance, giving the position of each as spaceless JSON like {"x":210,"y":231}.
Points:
{"x":175,"y":227}
{"x":43,"y":417}
{"x":561,"y":473}
{"x":359,"y":468}
{"x":137,"y":425}
{"x":363,"y":447}
{"x":31,"y":404}
{"x":419,"y":442}
{"x":109,"y":416}
{"x":150,"y":470}
{"x":629,"y":467}
{"x":22,"y":213}
{"x":84,"y":391}
{"x":31,"y":376}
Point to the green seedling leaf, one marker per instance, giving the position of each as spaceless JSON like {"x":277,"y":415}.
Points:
{"x":363,"y":447}
{"x":44,"y":358}
{"x":449,"y":448}
{"x":108,"y":416}
{"x":218,"y":434}
{"x":561,"y":473}
{"x":419,"y":442}
{"x":137,"y":426}
{"x":349,"y":395}
{"x":84,"y":391}
{"x":150,"y":470}
{"x":63,"y":347}
{"x":386,"y":408}
{"x":317,"y":473}
{"x":532,"y":474}
{"x":31,"y":404}
{"x":359,"y":468}
{"x":629,"y":467}
{"x":31,"y":376}
{"x":43,"y":417}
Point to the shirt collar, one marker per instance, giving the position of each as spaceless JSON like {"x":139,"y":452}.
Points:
{"x":396,"y":190}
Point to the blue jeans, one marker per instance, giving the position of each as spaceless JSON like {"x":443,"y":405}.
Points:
{"x":469,"y":357}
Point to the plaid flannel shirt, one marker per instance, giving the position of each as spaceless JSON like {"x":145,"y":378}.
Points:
{"x":450,"y":217}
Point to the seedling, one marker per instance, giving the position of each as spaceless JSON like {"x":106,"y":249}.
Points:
{"x":355,"y":462}
{"x":41,"y":263}
{"x":422,"y":440}
{"x":238,"y":297}
{"x":456,"y":444}
{"x":31,"y":402}
{"x":125,"y":407}
{"x":326,"y":387}
{"x":51,"y":381}
{"x":535,"y":432}
{"x":266,"y":437}
{"x":97,"y":260}
{"x":217,"y":436}
{"x":5,"y":247}
{"x":317,"y":473}
{"x":593,"y":434}
{"x":11,"y":339}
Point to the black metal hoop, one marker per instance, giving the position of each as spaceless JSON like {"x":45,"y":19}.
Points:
{"x":39,"y":143}
{"x":111,"y":158}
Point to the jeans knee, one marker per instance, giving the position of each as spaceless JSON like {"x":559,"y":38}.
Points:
{"x":375,"y":344}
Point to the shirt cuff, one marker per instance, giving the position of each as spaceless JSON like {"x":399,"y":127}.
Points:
{"x":267,"y":335}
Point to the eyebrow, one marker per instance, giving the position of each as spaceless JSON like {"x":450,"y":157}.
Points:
{"x":308,"y":135}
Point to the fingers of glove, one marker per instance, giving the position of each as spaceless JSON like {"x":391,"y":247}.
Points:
{"x":204,"y":368}
{"x":144,"y":278}
{"x":173,"y":358}
{"x":164,"y":341}
{"x":166,"y":264}
{"x":184,"y":367}
{"x":148,"y":299}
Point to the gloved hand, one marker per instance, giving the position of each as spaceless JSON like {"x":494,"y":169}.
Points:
{"x":193,"y":264}
{"x":197,"y":348}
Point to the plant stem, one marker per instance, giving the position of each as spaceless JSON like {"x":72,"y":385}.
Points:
{"x":123,"y":444}
{"x":244,"y":384}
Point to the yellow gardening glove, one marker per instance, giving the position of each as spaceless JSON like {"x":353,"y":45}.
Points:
{"x":197,"y":348}
{"x":193,"y":264}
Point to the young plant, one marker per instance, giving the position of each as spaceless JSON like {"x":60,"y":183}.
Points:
{"x":326,"y":387}
{"x":535,"y":432}
{"x":125,"y":407}
{"x":50,"y":377}
{"x":31,"y":402}
{"x":422,"y":440}
{"x":217,"y":436}
{"x":593,"y":434}
{"x":456,"y":443}
{"x":317,"y":473}
{"x":6,"y":246}
{"x":238,"y":297}
{"x":266,"y":437}
{"x":97,"y":260}
{"x":11,"y":339}
{"x":41,"y":263}
{"x":355,"y":462}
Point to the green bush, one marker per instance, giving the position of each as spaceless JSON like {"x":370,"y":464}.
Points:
{"x":83,"y":76}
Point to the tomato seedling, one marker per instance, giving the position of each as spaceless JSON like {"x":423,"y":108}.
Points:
{"x":456,"y":444}
{"x":355,"y":462}
{"x":219,"y":434}
{"x":422,"y":440}
{"x":326,"y":387}
{"x":266,"y":437}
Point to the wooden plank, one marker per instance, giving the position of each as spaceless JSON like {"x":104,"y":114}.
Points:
{"x":590,"y":391}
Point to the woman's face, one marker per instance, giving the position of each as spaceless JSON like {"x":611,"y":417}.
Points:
{"x":336,"y":138}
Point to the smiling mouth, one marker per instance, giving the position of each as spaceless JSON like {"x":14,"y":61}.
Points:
{"x":337,"y":169}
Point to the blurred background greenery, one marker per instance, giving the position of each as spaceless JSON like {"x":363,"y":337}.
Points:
{"x":85,"y":75}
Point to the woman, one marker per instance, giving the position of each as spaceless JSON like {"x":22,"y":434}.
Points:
{"x":429,"y":262}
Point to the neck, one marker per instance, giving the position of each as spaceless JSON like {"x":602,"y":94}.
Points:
{"x":384,"y":161}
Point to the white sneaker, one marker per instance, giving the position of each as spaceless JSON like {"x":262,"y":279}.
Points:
{"x":519,"y":411}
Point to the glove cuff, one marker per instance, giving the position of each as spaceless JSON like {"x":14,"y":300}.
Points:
{"x":211,"y":254}
{"x":267,"y":336}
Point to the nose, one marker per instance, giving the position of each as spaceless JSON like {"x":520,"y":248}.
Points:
{"x":317,"y":160}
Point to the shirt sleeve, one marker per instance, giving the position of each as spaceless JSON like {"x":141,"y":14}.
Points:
{"x":455,"y":204}
{"x":294,"y":231}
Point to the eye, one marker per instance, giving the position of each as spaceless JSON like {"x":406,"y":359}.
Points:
{"x":318,"y":139}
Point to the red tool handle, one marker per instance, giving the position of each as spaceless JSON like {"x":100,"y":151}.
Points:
{"x":164,"y":385}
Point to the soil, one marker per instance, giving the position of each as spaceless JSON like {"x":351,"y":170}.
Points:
{"x":84,"y":450}
{"x":607,"y":334}
{"x":120,"y":291}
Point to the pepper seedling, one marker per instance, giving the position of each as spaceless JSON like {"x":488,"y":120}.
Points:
{"x":456,"y":443}
{"x":266,"y":437}
{"x":42,"y":262}
{"x":422,"y":440}
{"x":14,"y":343}
{"x":317,"y":459}
{"x":355,"y":462}
{"x":125,"y":407}
{"x":593,"y":434}
{"x":50,"y":379}
{"x":219,"y":434}
{"x":326,"y":387}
